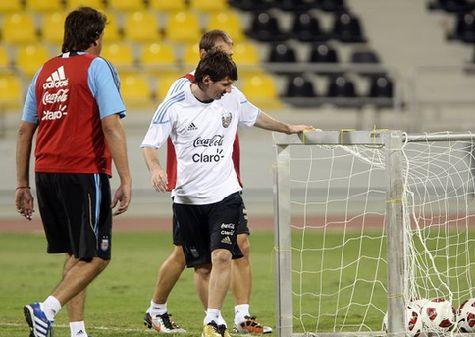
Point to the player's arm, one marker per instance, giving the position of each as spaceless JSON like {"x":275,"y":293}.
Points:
{"x":266,"y":122}
{"x":158,"y":176}
{"x":23,"y":197}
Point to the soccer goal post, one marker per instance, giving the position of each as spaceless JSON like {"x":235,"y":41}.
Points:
{"x":367,"y":222}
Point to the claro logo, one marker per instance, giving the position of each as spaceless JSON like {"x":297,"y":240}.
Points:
{"x":208,"y":158}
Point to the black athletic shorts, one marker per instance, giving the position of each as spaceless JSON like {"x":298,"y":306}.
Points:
{"x":242,"y":227}
{"x":76,"y":213}
{"x":205,"y":228}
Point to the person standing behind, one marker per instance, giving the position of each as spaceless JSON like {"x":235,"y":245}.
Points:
{"x":157,"y":316}
{"x":207,"y":196}
{"x":75,"y":105}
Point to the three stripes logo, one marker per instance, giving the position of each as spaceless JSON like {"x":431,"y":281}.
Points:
{"x":56,"y":80}
{"x":191,"y":127}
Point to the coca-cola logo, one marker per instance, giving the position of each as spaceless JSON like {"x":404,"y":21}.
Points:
{"x":216,"y":140}
{"x":59,"y":96}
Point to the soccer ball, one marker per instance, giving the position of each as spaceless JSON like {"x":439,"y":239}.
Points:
{"x":438,"y":316}
{"x":466,"y":316}
{"x":413,"y":320}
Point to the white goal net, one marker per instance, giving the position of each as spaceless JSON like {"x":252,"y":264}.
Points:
{"x":367,"y":221}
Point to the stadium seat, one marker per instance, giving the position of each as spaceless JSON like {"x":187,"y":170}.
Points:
{"x":18,"y":28}
{"x":30,"y":58}
{"x":260,"y":89}
{"x":464,"y":28}
{"x":49,"y":27}
{"x":282,"y":53}
{"x":331,"y":5}
{"x":381,"y":87}
{"x":141,"y":26}
{"x":164,"y":83}
{"x":246,"y":54}
{"x":158,"y":55}
{"x":251,"y":5}
{"x":175,"y":28}
{"x":228,"y":19}
{"x":451,"y":6}
{"x":10,"y":6}
{"x":347,"y":28}
{"x":167,"y":5}
{"x":112,"y":30}
{"x":342,"y":90}
{"x":265,"y":27}
{"x":4,"y":58}
{"x":191,"y":55}
{"x":120,"y":54}
{"x":326,"y":54}
{"x":367,"y":57}
{"x":135,"y":89}
{"x":208,"y":6}
{"x":299,"y":86}
{"x":294,"y":5}
{"x":73,"y":4}
{"x":44,"y":5}
{"x":306,"y":28}
{"x":10,"y":91}
{"x":126,"y":5}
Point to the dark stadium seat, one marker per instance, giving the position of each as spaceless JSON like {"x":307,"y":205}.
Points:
{"x":265,"y":27}
{"x":294,"y":5}
{"x":382,"y":90}
{"x":324,"y":53}
{"x":282,"y":53}
{"x":250,"y":5}
{"x":452,"y":6}
{"x":299,"y":86}
{"x":347,"y":28}
{"x":306,"y":28}
{"x":367,"y":57}
{"x":464,"y":28}
{"x":342,"y":92}
{"x":331,"y":5}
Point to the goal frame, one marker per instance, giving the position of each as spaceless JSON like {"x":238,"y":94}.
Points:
{"x":392,"y":142}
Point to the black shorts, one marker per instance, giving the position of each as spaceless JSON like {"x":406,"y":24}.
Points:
{"x":205,"y":228}
{"x":242,"y":227}
{"x":76,"y":213}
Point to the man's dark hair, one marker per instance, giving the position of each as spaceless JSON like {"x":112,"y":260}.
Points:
{"x":217,"y":65}
{"x":82,"y":28}
{"x":209,"y":39}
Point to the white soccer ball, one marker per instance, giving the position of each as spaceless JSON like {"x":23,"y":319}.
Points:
{"x":466,"y":316}
{"x":438,"y":316}
{"x":413,"y":321}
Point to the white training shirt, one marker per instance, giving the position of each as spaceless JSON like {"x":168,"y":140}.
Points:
{"x":203,"y":135}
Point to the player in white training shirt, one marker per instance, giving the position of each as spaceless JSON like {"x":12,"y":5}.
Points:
{"x":202,"y":122}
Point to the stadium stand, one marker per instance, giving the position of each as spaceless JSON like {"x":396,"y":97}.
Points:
{"x":167,"y":5}
{"x":43,"y":6}
{"x":158,"y":57}
{"x":126,"y":5}
{"x":135,"y":88}
{"x":30,"y":58}
{"x":299,"y":86}
{"x":228,"y":19}
{"x":120,"y":54}
{"x":306,"y":28}
{"x":4,"y":58}
{"x":174,"y":28}
{"x":19,"y":28}
{"x":207,"y":6}
{"x":49,"y":27}
{"x":141,"y":26}
{"x":10,"y":6}
{"x":72,"y":4}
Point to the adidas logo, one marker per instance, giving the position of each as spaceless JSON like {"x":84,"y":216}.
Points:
{"x":56,"y":80}
{"x":226,"y":240}
{"x":191,"y":127}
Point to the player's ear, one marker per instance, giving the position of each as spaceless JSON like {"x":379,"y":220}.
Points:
{"x":207,"y":80}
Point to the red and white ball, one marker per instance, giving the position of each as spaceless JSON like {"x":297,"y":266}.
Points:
{"x":413,"y":321}
{"x":438,"y":316}
{"x":466,"y":316}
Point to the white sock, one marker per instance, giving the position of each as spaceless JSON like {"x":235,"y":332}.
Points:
{"x":77,"y":329}
{"x":241,"y":311}
{"x":221,"y":320}
{"x":157,"y":309}
{"x":212,"y":315}
{"x":51,"y":307}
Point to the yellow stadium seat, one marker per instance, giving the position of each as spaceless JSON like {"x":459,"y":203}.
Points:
{"x":245,"y":54}
{"x":50,"y":27}
{"x":4,"y":57}
{"x":43,"y":5}
{"x":30,"y":58}
{"x":111,"y":31}
{"x":159,"y":55}
{"x":183,"y":27}
{"x":191,"y":55}
{"x":164,"y":83}
{"x":168,"y":5}
{"x":19,"y":28}
{"x":120,"y":54}
{"x":73,"y":4}
{"x":8,"y":6}
{"x":260,"y":89}
{"x":228,"y":21}
{"x":209,"y":5}
{"x":135,"y":89}
{"x":126,"y":5}
{"x":141,"y":26}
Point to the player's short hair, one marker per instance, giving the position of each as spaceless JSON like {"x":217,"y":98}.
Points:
{"x":217,"y":65}
{"x":82,"y":28}
{"x":209,"y":39}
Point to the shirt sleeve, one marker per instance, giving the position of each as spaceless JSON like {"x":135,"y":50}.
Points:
{"x":104,"y":84}
{"x":30,"y":113}
{"x":160,"y":127}
{"x":248,"y":112}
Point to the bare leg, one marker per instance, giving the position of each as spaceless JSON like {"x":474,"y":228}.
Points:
{"x":220,"y":278}
{"x":241,"y":282}
{"x":202,"y":283}
{"x":168,"y":275}
{"x":76,"y":304}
